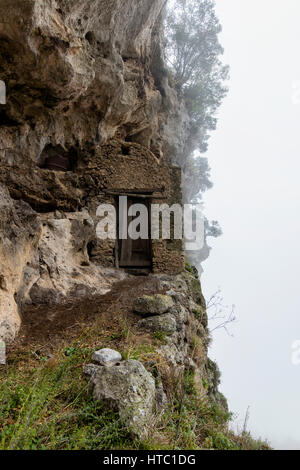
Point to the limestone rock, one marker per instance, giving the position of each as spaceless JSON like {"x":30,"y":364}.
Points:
{"x":90,"y":370}
{"x":106,"y":357}
{"x":2,"y":353}
{"x":164,"y":323}
{"x":19,"y":233}
{"x":79,"y":75}
{"x":64,"y":271}
{"x":173,"y":355}
{"x":161,"y":398}
{"x":176,"y":296}
{"x":153,"y":305}
{"x":129,"y":389}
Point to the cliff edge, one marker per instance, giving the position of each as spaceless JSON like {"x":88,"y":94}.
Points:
{"x":99,"y":354}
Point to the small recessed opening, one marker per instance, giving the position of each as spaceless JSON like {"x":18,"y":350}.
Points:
{"x":90,"y":247}
{"x":90,"y":37}
{"x":57,"y":159}
{"x":6,"y":121}
{"x":125,"y":150}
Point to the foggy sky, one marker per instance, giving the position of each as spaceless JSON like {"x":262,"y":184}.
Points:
{"x":254,"y":156}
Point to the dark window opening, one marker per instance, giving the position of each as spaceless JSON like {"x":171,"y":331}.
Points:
{"x":57,"y":159}
{"x":90,"y":37}
{"x":6,"y":121}
{"x":125,"y":150}
{"x":90,"y":248}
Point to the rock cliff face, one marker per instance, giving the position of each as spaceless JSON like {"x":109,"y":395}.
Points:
{"x":87,"y":93}
{"x":173,"y":317}
{"x":78,"y":75}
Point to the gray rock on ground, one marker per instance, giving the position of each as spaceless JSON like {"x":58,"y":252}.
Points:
{"x":90,"y":370}
{"x":129,"y":389}
{"x":106,"y":357}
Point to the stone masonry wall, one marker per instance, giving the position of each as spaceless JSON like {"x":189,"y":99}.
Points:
{"x":124,"y":167}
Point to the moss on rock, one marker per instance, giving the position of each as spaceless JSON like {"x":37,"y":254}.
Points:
{"x":153,"y":304}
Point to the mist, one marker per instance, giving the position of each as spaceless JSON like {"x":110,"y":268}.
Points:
{"x":254,"y":155}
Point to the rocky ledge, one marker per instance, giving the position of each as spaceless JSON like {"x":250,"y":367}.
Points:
{"x":178,"y":320}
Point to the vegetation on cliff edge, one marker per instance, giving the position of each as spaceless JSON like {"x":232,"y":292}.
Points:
{"x":45,"y":402}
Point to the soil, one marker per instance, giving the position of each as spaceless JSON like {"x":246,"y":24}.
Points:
{"x":48,"y":327}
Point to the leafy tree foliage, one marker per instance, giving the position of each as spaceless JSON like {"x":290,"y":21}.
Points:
{"x":196,"y":172}
{"x":193,"y":54}
{"x":213,"y":229}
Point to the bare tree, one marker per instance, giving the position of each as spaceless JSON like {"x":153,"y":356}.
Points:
{"x":223,"y":314}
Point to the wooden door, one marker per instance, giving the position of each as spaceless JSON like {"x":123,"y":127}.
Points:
{"x":135,"y":253}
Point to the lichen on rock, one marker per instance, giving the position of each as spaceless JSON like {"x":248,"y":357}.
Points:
{"x":165,"y":323}
{"x":129,"y":389}
{"x":153,"y":305}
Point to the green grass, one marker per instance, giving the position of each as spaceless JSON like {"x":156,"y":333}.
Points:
{"x":190,"y":269}
{"x":50,"y":407}
{"x":194,"y":423}
{"x":198,"y":313}
{"x":160,"y":336}
{"x":47,"y":404}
